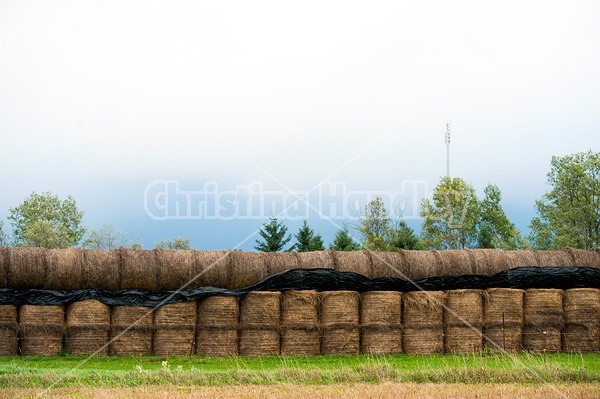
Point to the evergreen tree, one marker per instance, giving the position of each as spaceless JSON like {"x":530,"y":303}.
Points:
{"x":273,"y":235}
{"x":404,"y":237}
{"x":306,"y":240}
{"x":344,"y":242}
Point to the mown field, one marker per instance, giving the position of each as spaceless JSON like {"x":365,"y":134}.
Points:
{"x":486,"y":375}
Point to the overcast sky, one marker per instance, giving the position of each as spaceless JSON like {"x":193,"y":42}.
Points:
{"x":100,"y":99}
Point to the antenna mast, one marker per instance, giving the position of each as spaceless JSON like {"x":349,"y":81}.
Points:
{"x":448,"y":148}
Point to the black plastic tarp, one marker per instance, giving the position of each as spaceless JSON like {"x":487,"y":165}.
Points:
{"x":321,"y":280}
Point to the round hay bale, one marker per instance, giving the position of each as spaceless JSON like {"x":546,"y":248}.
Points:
{"x":584,"y":258}
{"x":543,"y":308}
{"x":460,"y":339}
{"x":340,"y":340}
{"x":381,"y":340}
{"x":102,"y":269}
{"x":519,"y":258}
{"x":380,"y":321}
{"x":421,"y":264}
{"x":503,"y":318}
{"x":64,"y":269}
{"x":300,"y":323}
{"x":423,"y":309}
{"x":212,"y":269}
{"x":42,"y":330}
{"x":259,"y":323}
{"x":508,"y":338}
{"x":27,"y":268}
{"x":582,"y":318}
{"x":247,"y":268}
{"x":175,"y":268}
{"x":315,"y":260}
{"x":280,"y":261}
{"x":542,"y":339}
{"x":554,"y":258}
{"x":4,"y":254}
{"x":353,"y":261}
{"x":217,"y":333}
{"x":423,"y":340}
{"x":389,"y":264}
{"x":88,"y":327}
{"x":464,"y":308}
{"x":340,"y":322}
{"x":131,"y":330}
{"x":455,"y":262}
{"x":174,"y":329}
{"x":139,"y":269}
{"x":8,"y":330}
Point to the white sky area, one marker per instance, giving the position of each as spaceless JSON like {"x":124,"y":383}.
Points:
{"x":98,"y":99}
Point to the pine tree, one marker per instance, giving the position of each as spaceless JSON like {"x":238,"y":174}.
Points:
{"x":306,"y":240}
{"x":344,"y":242}
{"x":404,"y":237}
{"x":273,"y":236}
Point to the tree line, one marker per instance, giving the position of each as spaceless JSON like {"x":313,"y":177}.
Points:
{"x":568,"y":214}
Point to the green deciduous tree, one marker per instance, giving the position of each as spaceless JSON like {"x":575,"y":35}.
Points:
{"x":343,"y":241}
{"x":569,"y":214}
{"x":175,"y":243}
{"x":107,"y":237}
{"x":495,"y":230}
{"x":4,"y":239}
{"x":44,"y":220}
{"x":375,"y":226}
{"x":307,"y":240}
{"x":273,"y":235}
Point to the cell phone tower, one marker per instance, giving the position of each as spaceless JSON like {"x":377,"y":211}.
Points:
{"x":448,"y":148}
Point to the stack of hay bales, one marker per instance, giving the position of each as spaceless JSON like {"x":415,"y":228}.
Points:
{"x":247,"y":268}
{"x":300,"y":323}
{"x":421,"y":264}
{"x":463,"y":319}
{"x":259,"y":323}
{"x":26,"y":268}
{"x":543,"y":320}
{"x":64,"y":269}
{"x":8,"y":330}
{"x":88,"y":326}
{"x":131,"y":330}
{"x":353,"y":261}
{"x":102,"y":269}
{"x":389,"y":264}
{"x":340,"y":322}
{"x":381,"y":322}
{"x":211,"y":268}
{"x":503,"y":319}
{"x":582,"y":320}
{"x":422,"y":318}
{"x":42,"y":330}
{"x":175,"y":268}
{"x":217,"y":332}
{"x":174,"y":329}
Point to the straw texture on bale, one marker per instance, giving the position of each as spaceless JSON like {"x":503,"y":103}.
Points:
{"x":88,"y":327}
{"x":420,"y":263}
{"x":131,"y":330}
{"x":4,"y":254}
{"x":42,"y":330}
{"x":422,"y":319}
{"x":463,"y":319}
{"x":389,"y":264}
{"x":212,"y":268}
{"x":8,"y":330}
{"x":543,"y":320}
{"x":453,"y":263}
{"x":300,"y":323}
{"x":139,"y":269}
{"x":340,"y":322}
{"x":247,"y":268}
{"x":315,"y":260}
{"x":542,"y":339}
{"x":64,"y":269}
{"x":554,"y":258}
{"x":174,"y":329}
{"x":521,"y":258}
{"x":102,"y":269}
{"x":503,"y":318}
{"x":381,"y":322}
{"x":27,"y":267}
{"x":460,"y":339}
{"x":423,"y":341}
{"x":175,"y":268}
{"x":259,"y":323}
{"x":354,"y":261}
{"x":217,"y":332}
{"x":582,"y":318}
{"x":584,"y":258}
{"x":280,"y":261}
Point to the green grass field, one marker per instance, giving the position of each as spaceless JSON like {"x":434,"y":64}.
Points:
{"x":487,"y":367}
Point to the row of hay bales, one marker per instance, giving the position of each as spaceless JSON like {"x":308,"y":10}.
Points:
{"x":168,"y":269}
{"x":312,"y":323}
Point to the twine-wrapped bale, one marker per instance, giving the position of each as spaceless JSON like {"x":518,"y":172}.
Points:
{"x":584,"y":258}
{"x":300,"y":323}
{"x":543,"y":320}
{"x":88,"y":327}
{"x":4,"y":254}
{"x":139,"y":269}
{"x":381,"y":322}
{"x":175,"y":268}
{"x":212,"y":268}
{"x":503,"y":318}
{"x":554,"y":258}
{"x":102,"y":269}
{"x":421,"y":263}
{"x":422,"y":321}
{"x":174,"y":329}
{"x":247,"y":268}
{"x":315,"y":260}
{"x":8,"y":330}
{"x":463,"y":319}
{"x":42,"y":330}
{"x":454,"y":263}
{"x":64,"y":269}
{"x":582,"y":318}
{"x":27,"y":267}
{"x":259,"y":323}
{"x":217,"y":333}
{"x":131,"y":330}
{"x":340,"y":322}
{"x":389,"y":264}
{"x":354,"y":261}
{"x":521,"y":258}
{"x":280,"y":261}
